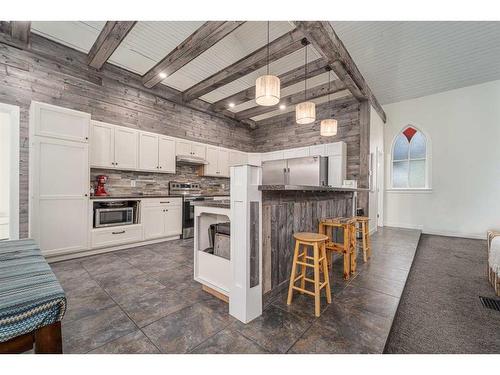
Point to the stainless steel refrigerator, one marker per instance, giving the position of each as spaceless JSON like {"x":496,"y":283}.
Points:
{"x":305,"y":171}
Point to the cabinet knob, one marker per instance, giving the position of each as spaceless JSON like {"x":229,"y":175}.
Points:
{"x":86,"y":195}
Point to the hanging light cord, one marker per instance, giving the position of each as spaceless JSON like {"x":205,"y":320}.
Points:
{"x":305,"y":78}
{"x":268,"y":47}
{"x":330,"y":88}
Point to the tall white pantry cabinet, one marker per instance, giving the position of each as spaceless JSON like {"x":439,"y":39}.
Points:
{"x":59,"y":178}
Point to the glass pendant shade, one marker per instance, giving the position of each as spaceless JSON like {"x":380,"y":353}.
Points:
{"x":305,"y":113}
{"x":328,"y":127}
{"x":267,"y":90}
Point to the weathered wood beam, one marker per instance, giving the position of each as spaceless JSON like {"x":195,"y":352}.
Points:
{"x":324,"y":39}
{"x":289,"y":78}
{"x":108,"y":40}
{"x":193,"y":46}
{"x":21,"y":30}
{"x":336,"y":107}
{"x":282,"y":46}
{"x":312,"y":93}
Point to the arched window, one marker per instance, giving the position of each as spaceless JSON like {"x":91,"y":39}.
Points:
{"x":409,"y":160}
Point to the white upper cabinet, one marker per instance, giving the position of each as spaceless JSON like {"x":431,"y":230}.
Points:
{"x":126,"y":142}
{"x":296,"y":152}
{"x":275,"y":155}
{"x":102,"y":145}
{"x":254,"y":158}
{"x":218,"y":162}
{"x":337,"y":148}
{"x":199,"y":150}
{"x":166,"y":154}
{"x":317,"y":150}
{"x":212,"y":158}
{"x":237,"y":158}
{"x":148,"y":152}
{"x":57,"y":122}
{"x":223,"y":163}
{"x":183,"y":148}
{"x":188,"y":148}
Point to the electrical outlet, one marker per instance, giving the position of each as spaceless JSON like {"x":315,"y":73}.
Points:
{"x":132,"y":183}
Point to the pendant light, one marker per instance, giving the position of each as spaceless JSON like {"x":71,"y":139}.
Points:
{"x":267,"y":87}
{"x":305,"y":112}
{"x":328,"y":127}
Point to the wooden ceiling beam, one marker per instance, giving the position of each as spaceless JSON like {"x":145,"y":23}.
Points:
{"x":108,"y":40}
{"x":287,"y":79}
{"x":21,"y":30}
{"x":293,"y":99}
{"x":278,"y":48}
{"x":324,"y":39}
{"x":194,"y":45}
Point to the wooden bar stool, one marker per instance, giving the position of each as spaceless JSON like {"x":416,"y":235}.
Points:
{"x":347,"y":247}
{"x":319,"y":264}
{"x":363,"y":228}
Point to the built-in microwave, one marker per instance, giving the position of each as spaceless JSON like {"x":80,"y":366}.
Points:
{"x":113,"y":216}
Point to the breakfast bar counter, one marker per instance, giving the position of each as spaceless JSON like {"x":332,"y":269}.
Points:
{"x":288,"y":209}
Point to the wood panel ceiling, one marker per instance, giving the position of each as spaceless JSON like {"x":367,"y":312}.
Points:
{"x":221,"y":72}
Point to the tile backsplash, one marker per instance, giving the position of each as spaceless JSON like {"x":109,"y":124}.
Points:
{"x":119,"y":182}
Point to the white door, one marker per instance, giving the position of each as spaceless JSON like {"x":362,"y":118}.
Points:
{"x":223,"y":163}
{"x":211,"y":168}
{"x":199,"y":150}
{"x":60,"y":184}
{"x":148,"y":152}
{"x":102,"y":145}
{"x":183,"y":148}
{"x":125,"y":148}
{"x":166,"y":154}
{"x":173,"y":221}
{"x":153,"y":221}
{"x":380,"y":187}
{"x":61,"y":123}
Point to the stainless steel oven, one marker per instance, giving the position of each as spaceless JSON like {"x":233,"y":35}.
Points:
{"x":107,"y":215}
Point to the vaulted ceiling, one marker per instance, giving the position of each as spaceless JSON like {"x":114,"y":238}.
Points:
{"x":218,"y":62}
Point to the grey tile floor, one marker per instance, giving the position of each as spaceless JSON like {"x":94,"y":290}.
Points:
{"x":144,"y":300}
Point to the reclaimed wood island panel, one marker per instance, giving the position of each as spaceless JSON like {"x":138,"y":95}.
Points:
{"x":286,"y":210}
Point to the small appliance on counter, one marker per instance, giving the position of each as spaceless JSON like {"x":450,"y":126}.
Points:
{"x":100,"y":191}
{"x":305,"y":171}
{"x":115,"y":213}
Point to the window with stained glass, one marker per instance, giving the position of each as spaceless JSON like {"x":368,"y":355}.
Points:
{"x":409,"y":159}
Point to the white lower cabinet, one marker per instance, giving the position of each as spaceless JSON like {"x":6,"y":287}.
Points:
{"x":120,"y":235}
{"x":161,"y":217}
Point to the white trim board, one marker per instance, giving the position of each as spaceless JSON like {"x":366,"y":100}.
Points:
{"x":13,"y":111}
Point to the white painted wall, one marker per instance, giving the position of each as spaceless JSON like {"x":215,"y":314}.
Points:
{"x":464,"y":128}
{"x":376,"y":196}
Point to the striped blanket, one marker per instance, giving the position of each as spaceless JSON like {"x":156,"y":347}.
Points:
{"x":30,"y":295}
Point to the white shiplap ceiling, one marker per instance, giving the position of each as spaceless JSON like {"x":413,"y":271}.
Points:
{"x":405,"y":60}
{"x":399,"y":60}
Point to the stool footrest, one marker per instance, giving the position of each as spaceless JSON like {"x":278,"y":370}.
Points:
{"x":303,"y":290}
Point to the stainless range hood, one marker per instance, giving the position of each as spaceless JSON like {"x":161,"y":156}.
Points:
{"x":190,"y":159}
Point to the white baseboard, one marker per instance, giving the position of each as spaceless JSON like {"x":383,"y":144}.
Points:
{"x":89,"y":252}
{"x":437,"y":232}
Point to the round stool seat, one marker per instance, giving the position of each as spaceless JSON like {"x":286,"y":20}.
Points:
{"x":361,"y":218}
{"x":310,"y":237}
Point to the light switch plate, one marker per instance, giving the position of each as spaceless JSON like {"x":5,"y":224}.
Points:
{"x":132,"y":183}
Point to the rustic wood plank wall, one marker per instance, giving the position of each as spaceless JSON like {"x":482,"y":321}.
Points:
{"x":283,"y":214}
{"x":51,"y":73}
{"x":283,"y":132}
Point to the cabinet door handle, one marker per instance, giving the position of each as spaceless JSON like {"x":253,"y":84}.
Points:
{"x":121,"y":232}
{"x":86,"y":195}
{"x":165,"y":202}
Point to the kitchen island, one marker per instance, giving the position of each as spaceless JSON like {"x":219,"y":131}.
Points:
{"x":210,"y":269}
{"x":287,"y":209}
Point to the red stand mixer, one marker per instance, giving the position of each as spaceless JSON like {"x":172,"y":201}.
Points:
{"x":99,"y":190}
